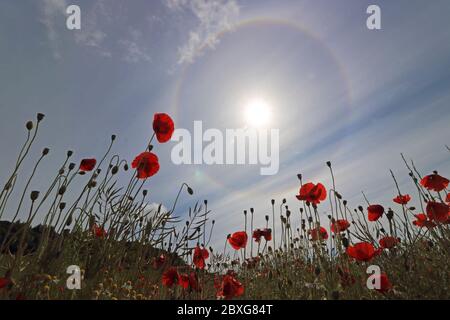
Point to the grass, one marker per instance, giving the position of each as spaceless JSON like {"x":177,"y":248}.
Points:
{"x":126,"y":250}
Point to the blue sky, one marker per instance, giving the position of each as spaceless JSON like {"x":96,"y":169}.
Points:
{"x":337,"y":90}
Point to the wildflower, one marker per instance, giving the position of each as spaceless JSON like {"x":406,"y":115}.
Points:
{"x":158,"y":262}
{"x":189,"y":281}
{"x":87,"y":165}
{"x":402,"y":199}
{"x":388,"y":242}
{"x":98,"y":231}
{"x":238,"y":240}
{"x":362,"y":251}
{"x":422,"y":221}
{"x":375,"y":212}
{"x":438,"y":211}
{"x":146,"y":165}
{"x":385,"y":284}
{"x":170,"y":277}
{"x":199,"y":257}
{"x":267,"y":234}
{"x":434,"y":182}
{"x":312,"y":193}
{"x":340,"y":225}
{"x":257,"y":234}
{"x":163,"y":126}
{"x":230,"y":287}
{"x":4,"y":282}
{"x":319,"y":233}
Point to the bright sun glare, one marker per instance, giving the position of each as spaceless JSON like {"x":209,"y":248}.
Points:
{"x":257,"y":113}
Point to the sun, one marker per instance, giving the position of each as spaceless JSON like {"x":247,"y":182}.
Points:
{"x":257,"y":113}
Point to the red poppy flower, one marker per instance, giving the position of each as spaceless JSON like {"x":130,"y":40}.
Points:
{"x":438,"y":211}
{"x":163,"y":126}
{"x":238,"y":240}
{"x":422,"y":221}
{"x":230,"y":287}
{"x":267,"y":234}
{"x":87,"y":164}
{"x":4,"y":282}
{"x":312,"y":193}
{"x":170,"y":277}
{"x":257,"y":235}
{"x":318,"y":234}
{"x":340,"y":225}
{"x":146,"y":165}
{"x":98,"y":231}
{"x":402,"y":199}
{"x":375,"y":212}
{"x":388,"y":242}
{"x":158,"y":262}
{"x":385,"y":284}
{"x":183,"y":280}
{"x":434,"y":182}
{"x":363,"y":251}
{"x":199,"y":257}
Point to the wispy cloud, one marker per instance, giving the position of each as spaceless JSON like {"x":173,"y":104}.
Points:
{"x":213,"y":16}
{"x":51,"y":9}
{"x":133,"y":50}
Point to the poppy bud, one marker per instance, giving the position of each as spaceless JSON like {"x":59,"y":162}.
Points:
{"x":273,"y":201}
{"x":267,"y":218}
{"x":345,"y":242}
{"x":92,"y":184}
{"x":81,"y":173}
{"x":45,"y":151}
{"x":61,"y":171}
{"x":29,"y":125}
{"x":144,"y":193}
{"x":34,"y":195}
{"x":69,"y":220}
{"x":150,"y":147}
{"x":71,"y":166}
{"x":245,"y":212}
{"x":113,"y":137}
{"x":329,"y":217}
{"x":62,"y":206}
{"x":412,"y":208}
{"x":390,"y":214}
{"x":284,"y":201}
{"x":310,"y":219}
{"x":62,"y":190}
{"x":252,"y":210}
{"x":360,"y":208}
{"x":213,"y":222}
{"x":114,"y":170}
{"x":288,"y":213}
{"x":69,"y":153}
{"x":190,"y":191}
{"x":299,"y":176}
{"x":228,"y":236}
{"x":338,"y":195}
{"x":205,"y":202}
{"x":40,"y":117}
{"x":125,"y":167}
{"x":329,"y":164}
{"x":344,"y":202}
{"x":301,"y":210}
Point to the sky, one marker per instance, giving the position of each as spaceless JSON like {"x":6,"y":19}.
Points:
{"x":337,"y":91}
